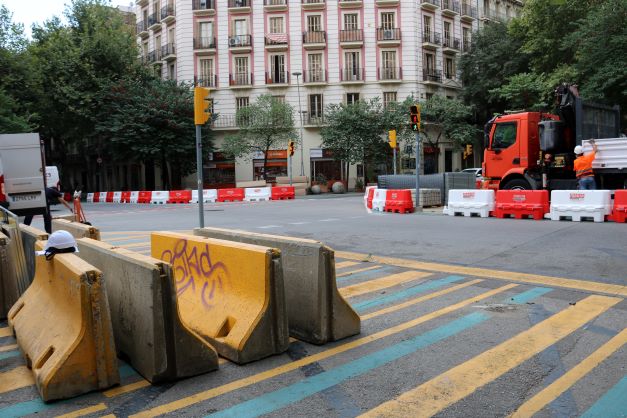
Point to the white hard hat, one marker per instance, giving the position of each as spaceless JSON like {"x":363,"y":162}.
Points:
{"x":578,"y":149}
{"x":59,"y":242}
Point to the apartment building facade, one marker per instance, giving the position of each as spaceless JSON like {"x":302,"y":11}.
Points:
{"x":312,"y":53}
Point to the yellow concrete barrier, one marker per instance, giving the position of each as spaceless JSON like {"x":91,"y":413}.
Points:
{"x":8,"y":288}
{"x":145,"y":314}
{"x":229,"y":293}
{"x":77,"y":229}
{"x":63,"y":328}
{"x":31,"y":235}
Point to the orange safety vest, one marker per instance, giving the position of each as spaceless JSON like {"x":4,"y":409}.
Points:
{"x":583,"y":165}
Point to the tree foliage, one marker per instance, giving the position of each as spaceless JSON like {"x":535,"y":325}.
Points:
{"x":451,"y":118}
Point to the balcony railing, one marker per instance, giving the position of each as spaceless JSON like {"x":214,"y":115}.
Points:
{"x":390,"y":73}
{"x":203,"y":5}
{"x":206,"y":81}
{"x":468,"y":10}
{"x":275,"y":2}
{"x":466,"y":46}
{"x":204,"y":42}
{"x":315,"y":76}
{"x":432,"y":38}
{"x":312,"y":1}
{"x":241,"y":79}
{"x":388,"y":34}
{"x":352,"y":35}
{"x":237,"y":41}
{"x":168,"y":49}
{"x":239,"y":3}
{"x":450,"y":5}
{"x":352,"y":74}
{"x":153,"y":19}
{"x":154,"y":56}
{"x":277,"y":77}
{"x":315,"y":119}
{"x":450,"y":43}
{"x":314,"y":37}
{"x":167,"y":11}
{"x":432,"y":75}
{"x":450,"y":75}
{"x":433,"y":2}
{"x":276,"y":39}
{"x":141,"y":27}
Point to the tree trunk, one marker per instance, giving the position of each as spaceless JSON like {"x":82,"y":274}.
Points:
{"x":149,"y":173}
{"x":165,"y":177}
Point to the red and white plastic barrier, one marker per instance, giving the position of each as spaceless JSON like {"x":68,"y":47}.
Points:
{"x":378,"y":200}
{"x":117,"y":197}
{"x":144,"y":197}
{"x":208,"y":196}
{"x":160,"y":197}
{"x":180,"y":196}
{"x":368,"y":195}
{"x":283,"y":192}
{"x":578,"y":204}
{"x":134,"y":197}
{"x":230,"y":195}
{"x":619,"y":211}
{"x":468,"y":202}
{"x":126,"y":197}
{"x":102,"y":197}
{"x":399,"y":201}
{"x":257,"y":194}
{"x":522,"y":203}
{"x":90,"y":197}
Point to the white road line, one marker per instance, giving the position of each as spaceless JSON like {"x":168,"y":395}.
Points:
{"x":299,"y":223}
{"x":329,"y":220}
{"x":268,"y":226}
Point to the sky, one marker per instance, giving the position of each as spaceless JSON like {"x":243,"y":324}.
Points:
{"x":38,"y":11}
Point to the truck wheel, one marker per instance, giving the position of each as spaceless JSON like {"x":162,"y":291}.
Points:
{"x":517,"y":184}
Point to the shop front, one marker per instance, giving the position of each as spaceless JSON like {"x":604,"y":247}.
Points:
{"x":219,"y":172}
{"x":276,"y":165}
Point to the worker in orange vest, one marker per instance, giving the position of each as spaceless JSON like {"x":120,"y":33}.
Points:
{"x":583,"y":167}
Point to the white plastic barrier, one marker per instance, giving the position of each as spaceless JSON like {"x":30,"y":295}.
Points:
{"x":102,"y":197}
{"x":90,"y":197}
{"x":160,"y":197}
{"x":366,"y":197}
{"x":208,"y":196}
{"x":577,"y":204}
{"x":470,"y":202}
{"x":134,"y":197}
{"x":117,"y":197}
{"x":378,"y":200}
{"x":258,"y":194}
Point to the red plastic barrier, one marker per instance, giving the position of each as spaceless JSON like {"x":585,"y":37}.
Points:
{"x":144,"y":197}
{"x":619,"y":211}
{"x":282,"y":192}
{"x":522,"y":203}
{"x":230,"y":195}
{"x":180,"y":196}
{"x":370,"y":196}
{"x":109,"y":197}
{"x":399,"y":201}
{"x":96,"y":197}
{"x":126,"y":197}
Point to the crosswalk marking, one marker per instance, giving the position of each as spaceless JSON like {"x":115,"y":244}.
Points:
{"x":559,"y":386}
{"x":9,"y":347}
{"x":85,"y":411}
{"x":344,"y":264}
{"x":348,"y":273}
{"x":612,"y":404}
{"x":17,"y":378}
{"x":455,"y":384}
{"x":126,"y":388}
{"x":5,"y":332}
{"x":381,"y":283}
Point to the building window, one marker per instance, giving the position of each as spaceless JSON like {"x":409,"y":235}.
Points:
{"x":276,"y":25}
{"x":315,"y":106}
{"x":426,"y":26}
{"x":277,"y":69}
{"x":280,"y":99}
{"x":466,"y":39}
{"x":205,"y":33}
{"x":206,"y":76}
{"x":172,"y":72}
{"x":388,"y":20}
{"x":241,"y":102}
{"x":428,"y":96}
{"x":314,"y":23}
{"x":447,"y":33}
{"x":352,"y":98}
{"x":352,"y":70}
{"x":241,"y":71}
{"x":351,"y":21}
{"x":449,"y":68}
{"x":314,"y":65}
{"x":240,"y":27}
{"x":171,"y":35}
{"x":389,"y":97}
{"x":430,"y":63}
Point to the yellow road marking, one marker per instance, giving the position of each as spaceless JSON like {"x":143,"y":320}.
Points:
{"x":561,"y":385}
{"x":5,"y":332}
{"x":382,"y":283}
{"x":108,"y":416}
{"x":455,"y":384}
{"x":126,"y":388}
{"x":17,"y":378}
{"x":588,"y":286}
{"x":268,"y":374}
{"x":348,"y":273}
{"x":134,"y":245}
{"x":85,"y":411}
{"x":8,"y":347}
{"x":345,"y":264}
{"x":115,"y":240}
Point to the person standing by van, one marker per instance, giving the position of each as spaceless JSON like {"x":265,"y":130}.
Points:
{"x":53,"y":197}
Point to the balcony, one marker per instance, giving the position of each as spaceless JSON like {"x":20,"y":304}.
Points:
{"x":492,"y":15}
{"x":431,"y":40}
{"x":168,"y":52}
{"x":469,"y":13}
{"x":154,"y":57}
{"x":450,"y":45}
{"x":206,"y":81}
{"x":277,"y":78}
{"x":142,"y":29}
{"x":205,"y":44}
{"x":389,"y":74}
{"x":143,"y":59}
{"x":350,"y":4}
{"x":141,"y":2}
{"x":450,"y":8}
{"x":352,"y":75}
{"x":315,"y":77}
{"x":430,"y":5}
{"x":241,"y":80}
{"x":167,"y":14}
{"x":352,"y":38}
{"x":387,"y":2}
{"x":314,"y":40}
{"x":430,"y":76}
{"x":240,"y":43}
{"x":239,"y":6}
{"x":276,"y":42}
{"x":274,"y":5}
{"x":313,"y":4}
{"x":204,"y":7}
{"x":388,"y":37}
{"x":450,"y":76}
{"x":314,"y":120}
{"x":154,"y":22}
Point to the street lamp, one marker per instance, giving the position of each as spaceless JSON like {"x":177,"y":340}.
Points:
{"x":297,"y":74}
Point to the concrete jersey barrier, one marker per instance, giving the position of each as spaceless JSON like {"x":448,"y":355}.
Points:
{"x":317,"y":313}
{"x":8,"y":284}
{"x":77,"y":229}
{"x":230,"y":293}
{"x":63,"y":328}
{"x":144,"y":314}
{"x":30,"y":236}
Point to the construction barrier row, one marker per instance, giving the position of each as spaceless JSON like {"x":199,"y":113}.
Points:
{"x":8,"y":288}
{"x":250,"y":194}
{"x":77,"y":229}
{"x":14,"y":272}
{"x":575,"y":205}
{"x":399,"y":200}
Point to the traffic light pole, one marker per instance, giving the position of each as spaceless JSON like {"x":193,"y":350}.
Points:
{"x":394,"y":161}
{"x":418,"y":203}
{"x":201,"y":211}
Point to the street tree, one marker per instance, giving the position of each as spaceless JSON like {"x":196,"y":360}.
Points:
{"x":450,"y":119}
{"x":525,"y":91}
{"x":266,"y":124}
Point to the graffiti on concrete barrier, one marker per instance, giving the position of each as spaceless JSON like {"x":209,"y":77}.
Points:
{"x":195,"y":272}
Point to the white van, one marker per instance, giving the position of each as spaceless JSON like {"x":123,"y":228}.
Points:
{"x":52,"y":177}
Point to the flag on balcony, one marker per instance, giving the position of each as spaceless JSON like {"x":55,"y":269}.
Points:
{"x":277,"y":38}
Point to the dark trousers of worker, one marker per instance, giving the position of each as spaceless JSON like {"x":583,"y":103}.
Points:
{"x":587,"y":183}
{"x":47,"y":221}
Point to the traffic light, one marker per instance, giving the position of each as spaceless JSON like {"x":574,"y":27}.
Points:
{"x":290,"y":148}
{"x":202,"y":105}
{"x":468,"y":151}
{"x":414,"y":115}
{"x":392,"y":138}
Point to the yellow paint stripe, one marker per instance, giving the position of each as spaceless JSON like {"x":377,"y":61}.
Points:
{"x":568,"y":379}
{"x":612,"y":289}
{"x":8,"y":347}
{"x":84,"y":411}
{"x":108,"y":416}
{"x":131,"y":387}
{"x":382,"y":283}
{"x":134,"y":245}
{"x":5,"y":332}
{"x":17,"y":378}
{"x":348,"y":273}
{"x":345,"y":264}
{"x":442,"y":391}
{"x":295,"y":365}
